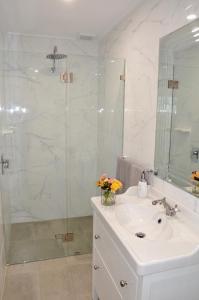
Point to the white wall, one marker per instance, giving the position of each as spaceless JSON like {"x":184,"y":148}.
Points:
{"x":137,"y":40}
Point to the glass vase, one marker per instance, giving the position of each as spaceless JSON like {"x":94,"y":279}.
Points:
{"x":195,"y":189}
{"x":107,"y":198}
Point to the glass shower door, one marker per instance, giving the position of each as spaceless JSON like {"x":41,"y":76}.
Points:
{"x":81,"y":149}
{"x":94,"y":122}
{"x":35,"y":108}
{"x":63,"y":127}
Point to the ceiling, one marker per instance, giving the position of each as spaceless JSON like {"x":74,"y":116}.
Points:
{"x":63,"y":17}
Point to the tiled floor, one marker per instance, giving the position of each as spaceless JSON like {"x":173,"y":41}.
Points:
{"x":66,"y":278}
{"x":34,"y":241}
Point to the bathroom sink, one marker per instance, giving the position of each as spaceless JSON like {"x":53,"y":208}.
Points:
{"x":144,"y":221}
{"x":154,"y":240}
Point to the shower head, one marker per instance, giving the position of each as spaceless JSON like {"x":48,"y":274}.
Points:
{"x":55,"y":56}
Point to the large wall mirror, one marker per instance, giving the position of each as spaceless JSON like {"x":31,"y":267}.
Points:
{"x":177,"y":128}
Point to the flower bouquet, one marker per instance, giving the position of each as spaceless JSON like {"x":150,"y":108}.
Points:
{"x":195,"y":180}
{"x":109,"y":186}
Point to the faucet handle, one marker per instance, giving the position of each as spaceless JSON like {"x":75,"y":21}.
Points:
{"x":176,"y":208}
{"x":172,"y":211}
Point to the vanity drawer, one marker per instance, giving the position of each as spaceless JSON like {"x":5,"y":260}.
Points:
{"x":124,"y":277}
{"x":103,"y":283}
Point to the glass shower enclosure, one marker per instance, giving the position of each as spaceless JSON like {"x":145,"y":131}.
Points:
{"x":59,"y":120}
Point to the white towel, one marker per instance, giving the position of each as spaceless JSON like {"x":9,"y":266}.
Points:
{"x":128,"y":173}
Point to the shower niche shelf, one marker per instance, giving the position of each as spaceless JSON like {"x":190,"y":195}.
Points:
{"x":182,"y":130}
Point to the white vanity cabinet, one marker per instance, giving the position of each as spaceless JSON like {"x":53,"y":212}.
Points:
{"x":110,"y":264}
{"x":114,"y":278}
{"x":108,"y":260}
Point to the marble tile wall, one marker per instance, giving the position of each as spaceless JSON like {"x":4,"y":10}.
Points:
{"x":45,"y":44}
{"x":52,"y":129}
{"x":81,"y":135}
{"x":137,"y":40}
{"x":35,"y":103}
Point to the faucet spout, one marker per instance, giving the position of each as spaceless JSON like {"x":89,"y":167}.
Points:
{"x":170,"y":211}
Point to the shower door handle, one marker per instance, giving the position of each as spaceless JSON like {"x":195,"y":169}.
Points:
{"x":4,"y":164}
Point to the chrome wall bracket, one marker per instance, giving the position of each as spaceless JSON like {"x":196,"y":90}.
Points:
{"x":65,"y":237}
{"x":122,"y":77}
{"x":173,"y":84}
{"x":67,"y":77}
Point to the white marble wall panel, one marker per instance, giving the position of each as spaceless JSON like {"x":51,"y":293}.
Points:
{"x":35,"y":102}
{"x":53,"y":128}
{"x":137,"y":40}
{"x":110,"y":114}
{"x":81,"y":134}
{"x":45,"y":44}
{"x":53,"y":139}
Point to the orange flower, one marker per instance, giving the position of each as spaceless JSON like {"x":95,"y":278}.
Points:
{"x":195,"y":175}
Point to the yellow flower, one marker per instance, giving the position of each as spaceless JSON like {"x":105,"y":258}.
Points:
{"x":107,"y":183}
{"x":116,"y":185}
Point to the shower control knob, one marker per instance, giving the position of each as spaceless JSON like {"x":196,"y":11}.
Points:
{"x":123,"y":283}
{"x":97,"y":236}
{"x":96,"y":267}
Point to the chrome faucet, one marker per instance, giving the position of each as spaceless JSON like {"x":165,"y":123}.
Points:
{"x":170,"y":211}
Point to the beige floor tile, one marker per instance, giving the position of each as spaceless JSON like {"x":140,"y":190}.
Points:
{"x":81,"y":278}
{"x":52,"y":264}
{"x":23,"y":286}
{"x":57,"y":279}
{"x":22,"y":231}
{"x":34,"y":241}
{"x":84,"y":297}
{"x":55,"y":284}
{"x":23,"y":268}
{"x":79,"y":259}
{"x":33,"y":250}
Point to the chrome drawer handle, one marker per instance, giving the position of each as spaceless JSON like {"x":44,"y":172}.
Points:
{"x":96,"y":267}
{"x":97,"y":236}
{"x":123,"y":283}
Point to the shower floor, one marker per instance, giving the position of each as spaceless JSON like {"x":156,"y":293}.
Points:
{"x":33,"y":241}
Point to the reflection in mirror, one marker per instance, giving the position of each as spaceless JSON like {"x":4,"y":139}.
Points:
{"x":177,"y":128}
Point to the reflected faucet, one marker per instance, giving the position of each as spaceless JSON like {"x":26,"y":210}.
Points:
{"x":147,"y":175}
{"x":170,"y":211}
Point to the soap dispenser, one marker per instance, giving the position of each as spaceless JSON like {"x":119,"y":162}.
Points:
{"x":142,"y":186}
